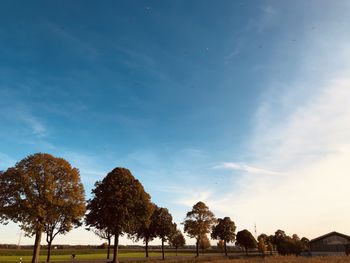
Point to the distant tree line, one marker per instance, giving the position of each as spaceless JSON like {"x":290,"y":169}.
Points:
{"x":44,"y":194}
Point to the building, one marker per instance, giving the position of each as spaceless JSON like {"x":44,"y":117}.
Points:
{"x":333,"y":243}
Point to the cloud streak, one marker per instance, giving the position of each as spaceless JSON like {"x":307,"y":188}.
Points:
{"x":246,"y":168}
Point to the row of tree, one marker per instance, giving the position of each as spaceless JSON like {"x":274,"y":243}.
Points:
{"x":44,"y":194}
{"x":284,"y":244}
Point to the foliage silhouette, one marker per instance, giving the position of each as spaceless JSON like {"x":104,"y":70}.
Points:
{"x":224,"y":230}
{"x":120,"y":204}
{"x":198,"y":222}
{"x":246,"y":240}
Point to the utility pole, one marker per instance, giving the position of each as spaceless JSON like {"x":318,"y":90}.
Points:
{"x":255,"y":231}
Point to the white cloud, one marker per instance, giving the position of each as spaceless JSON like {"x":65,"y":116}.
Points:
{"x":299,"y":149}
{"x":311,"y":148}
{"x":27,"y":121}
{"x":244,"y":167}
{"x":36,"y":125}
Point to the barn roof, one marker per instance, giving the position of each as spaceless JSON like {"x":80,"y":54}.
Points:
{"x":330,"y":234}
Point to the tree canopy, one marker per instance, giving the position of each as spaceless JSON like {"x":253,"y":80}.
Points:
{"x":246,"y":240}
{"x":224,"y":230}
{"x":43,"y":194}
{"x":198,"y":222}
{"x":146,"y":231}
{"x":120,"y":204}
{"x":177,"y":240}
{"x":162,"y":223}
{"x":287,"y":245}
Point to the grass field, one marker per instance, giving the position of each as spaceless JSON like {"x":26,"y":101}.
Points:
{"x":86,"y":255}
{"x":277,"y":259}
{"x":9,"y":256}
{"x":288,"y":259}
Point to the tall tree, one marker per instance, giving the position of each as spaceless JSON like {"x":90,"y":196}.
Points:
{"x":224,"y":230}
{"x":104,"y":234}
{"x":198,"y":222}
{"x":120,"y":204}
{"x":246,"y":240}
{"x":177,"y":240}
{"x":163,"y":225}
{"x":43,"y":194}
{"x":146,"y":230}
{"x":204,"y":243}
{"x":62,"y":219}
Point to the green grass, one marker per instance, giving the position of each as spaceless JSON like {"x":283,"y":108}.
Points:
{"x":82,"y":256}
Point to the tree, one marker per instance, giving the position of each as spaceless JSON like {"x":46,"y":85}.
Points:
{"x":120,"y":204}
{"x":146,"y":230}
{"x":224,"y":230}
{"x":246,"y":240}
{"x":177,"y":240}
{"x":270,"y":247}
{"x":163,"y":225}
{"x":305,"y":244}
{"x":204,"y":243}
{"x":272,"y":240}
{"x":264,"y":237}
{"x":267,"y":241}
{"x":261,"y":245}
{"x":64,"y":217}
{"x":44,"y":194}
{"x":198,"y":222}
{"x":221,"y":245}
{"x":280,"y":235}
{"x":104,"y":234}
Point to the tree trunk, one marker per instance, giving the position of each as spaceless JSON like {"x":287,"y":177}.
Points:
{"x":246,"y":251}
{"x":115,"y":249}
{"x":48,"y":251}
{"x":108,"y":247}
{"x":197,"y":247}
{"x":176,"y":250}
{"x":225,"y":248}
{"x":35,"y":258}
{"x":163,"y":249}
{"x":146,"y":247}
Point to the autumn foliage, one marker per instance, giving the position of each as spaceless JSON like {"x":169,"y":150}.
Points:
{"x":43,"y":194}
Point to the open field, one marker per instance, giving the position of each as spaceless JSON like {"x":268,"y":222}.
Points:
{"x":93,"y":256}
{"x":10,"y":256}
{"x":287,"y":259}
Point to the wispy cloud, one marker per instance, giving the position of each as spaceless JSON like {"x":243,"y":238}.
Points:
{"x":77,"y":43}
{"x":234,"y":53}
{"x":269,"y":10}
{"x":90,"y":166}
{"x":244,"y":167}
{"x":25,"y":119}
{"x":35,"y":124}
{"x":301,"y":131}
{"x":192,"y":197}
{"x":267,"y":18}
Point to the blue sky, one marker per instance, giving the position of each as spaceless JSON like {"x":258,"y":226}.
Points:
{"x":241,"y":104}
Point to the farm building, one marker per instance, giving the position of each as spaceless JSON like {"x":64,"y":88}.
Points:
{"x":333,"y":243}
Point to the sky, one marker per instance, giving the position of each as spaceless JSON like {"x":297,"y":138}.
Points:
{"x":241,"y":104}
